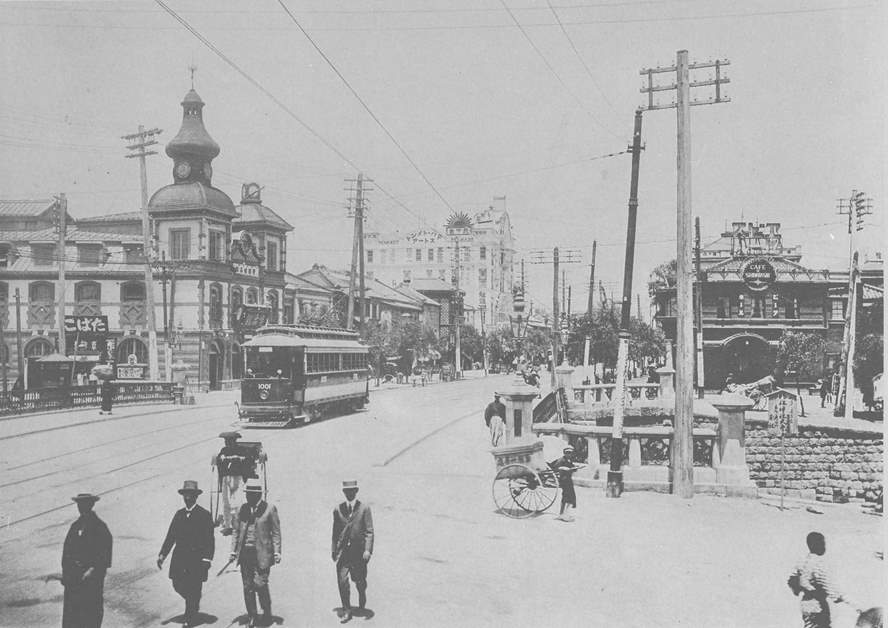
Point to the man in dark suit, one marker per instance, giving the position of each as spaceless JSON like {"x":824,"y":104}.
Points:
{"x":352,"y":546}
{"x":85,"y":558}
{"x":191,"y":532}
{"x":256,"y":546}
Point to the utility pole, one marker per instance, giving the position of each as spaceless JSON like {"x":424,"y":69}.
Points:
{"x":458,"y":314}
{"x":683,"y":445}
{"x":356,"y":274}
{"x":638,"y":305}
{"x":566,"y":256}
{"x":855,"y":207}
{"x":569,"y":290}
{"x":18,"y":337}
{"x":140,"y":141}
{"x":698,"y":309}
{"x":615,"y":474}
{"x":62,"y":213}
{"x":591,"y":302}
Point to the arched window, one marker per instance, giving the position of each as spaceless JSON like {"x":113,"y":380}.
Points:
{"x":215,"y":305}
{"x":41,"y":291}
{"x":272,"y":301}
{"x":237,"y":299}
{"x":132,"y":291}
{"x":252,"y":296}
{"x":132,"y":346}
{"x":4,"y":354}
{"x":87,"y":291}
{"x":38,"y":348}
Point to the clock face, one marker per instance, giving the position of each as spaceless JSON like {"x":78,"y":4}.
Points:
{"x":183,"y":170}
{"x":208,"y":171}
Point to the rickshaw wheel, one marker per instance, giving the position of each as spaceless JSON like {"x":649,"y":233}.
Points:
{"x":542,"y":494}
{"x":516,"y":491}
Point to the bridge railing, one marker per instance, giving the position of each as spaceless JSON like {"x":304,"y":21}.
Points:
{"x":64,"y":397}
{"x":590,"y":394}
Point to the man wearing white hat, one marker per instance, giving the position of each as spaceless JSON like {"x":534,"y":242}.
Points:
{"x":352,"y":547}
{"x":256,"y":545}
{"x":191,"y":532}
{"x":85,"y":558}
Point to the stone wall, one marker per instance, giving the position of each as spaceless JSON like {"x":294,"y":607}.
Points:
{"x":829,"y":463}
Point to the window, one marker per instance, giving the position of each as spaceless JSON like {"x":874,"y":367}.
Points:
{"x":132,"y":347}
{"x":217,"y":246}
{"x":180,"y":243}
{"x":252,"y":296}
{"x":89,"y":255}
{"x":271,"y":255}
{"x":272,"y":301}
{"x":41,"y":291}
{"x":758,"y":307}
{"x":440,"y":254}
{"x":289,"y":309}
{"x":409,"y":254}
{"x":133,"y":255}
{"x":323,"y":362}
{"x":215,"y":305}
{"x":431,"y":255}
{"x":418,"y":255}
{"x":466,"y":254}
{"x":482,"y":275}
{"x":724,"y":307}
{"x":502,"y":259}
{"x":369,"y":256}
{"x":837,"y":310}
{"x":237,"y":299}
{"x":132,"y":291}
{"x":38,"y":348}
{"x":44,"y":254}
{"x":87,"y":291}
{"x":482,"y":253}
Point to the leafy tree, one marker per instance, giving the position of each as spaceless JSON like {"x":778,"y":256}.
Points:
{"x":801,"y":353}
{"x":405,"y":339}
{"x":662,"y":277}
{"x":603,"y":325}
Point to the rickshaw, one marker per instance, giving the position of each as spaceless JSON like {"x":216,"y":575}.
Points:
{"x":524,"y":484}
{"x":259,"y":457}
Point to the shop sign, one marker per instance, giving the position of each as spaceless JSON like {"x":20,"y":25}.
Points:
{"x":758,"y":274}
{"x":130,"y":372}
{"x":86,"y":334}
{"x":246,"y":269}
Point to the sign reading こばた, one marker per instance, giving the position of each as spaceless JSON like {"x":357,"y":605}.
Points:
{"x":758,"y":274}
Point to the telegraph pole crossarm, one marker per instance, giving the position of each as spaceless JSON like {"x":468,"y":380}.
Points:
{"x":683,"y":447}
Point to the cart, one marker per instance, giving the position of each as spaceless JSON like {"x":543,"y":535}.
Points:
{"x":524,"y":484}
{"x":255,"y":451}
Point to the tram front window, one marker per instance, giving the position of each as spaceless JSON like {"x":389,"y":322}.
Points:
{"x":270,"y":362}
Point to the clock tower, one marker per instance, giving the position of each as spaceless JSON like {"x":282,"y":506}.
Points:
{"x":192,"y":150}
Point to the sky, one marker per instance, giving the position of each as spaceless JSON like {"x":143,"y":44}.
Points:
{"x":448,"y":105}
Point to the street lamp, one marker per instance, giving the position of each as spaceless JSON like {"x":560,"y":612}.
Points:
{"x":517,"y":321}
{"x":565,"y":337}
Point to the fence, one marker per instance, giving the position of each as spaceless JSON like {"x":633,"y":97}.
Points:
{"x":42,"y":399}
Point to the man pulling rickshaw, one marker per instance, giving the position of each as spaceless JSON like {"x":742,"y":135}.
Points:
{"x":234,"y":464}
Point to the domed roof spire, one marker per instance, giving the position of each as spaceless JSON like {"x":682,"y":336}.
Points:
{"x":192,"y":146}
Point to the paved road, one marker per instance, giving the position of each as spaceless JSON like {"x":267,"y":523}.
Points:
{"x":443,"y":556}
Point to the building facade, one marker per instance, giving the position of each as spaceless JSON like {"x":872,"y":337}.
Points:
{"x":754,"y":288}
{"x":474,"y":254}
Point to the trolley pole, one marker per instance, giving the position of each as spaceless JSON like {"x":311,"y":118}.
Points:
{"x":615,"y":474}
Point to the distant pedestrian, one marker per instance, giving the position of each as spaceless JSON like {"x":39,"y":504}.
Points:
{"x":256,"y":546}
{"x":812,"y":582}
{"x":107,"y":392}
{"x":352,"y":547}
{"x":191,"y":533}
{"x":86,"y":556}
{"x":565,"y":466}
{"x":825,"y":387}
{"x":494,"y":407}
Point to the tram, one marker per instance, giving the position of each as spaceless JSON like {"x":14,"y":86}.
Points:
{"x":296,"y":374}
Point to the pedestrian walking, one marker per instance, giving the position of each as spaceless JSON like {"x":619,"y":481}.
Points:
{"x":256,"y":546}
{"x":190,"y":537}
{"x":352,"y":547}
{"x":234,"y":465}
{"x":107,"y":392}
{"x":497,"y":430}
{"x":812,"y":582}
{"x":495,"y":407}
{"x":86,"y":557}
{"x":825,"y":387}
{"x":565,"y":466}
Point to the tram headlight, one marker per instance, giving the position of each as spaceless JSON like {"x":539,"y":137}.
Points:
{"x":263,"y":395}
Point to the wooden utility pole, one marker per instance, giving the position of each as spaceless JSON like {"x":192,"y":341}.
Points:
{"x":698,"y":309}
{"x":614,"y":487}
{"x":559,"y":256}
{"x":140,"y":141}
{"x":458,"y":317}
{"x":18,"y":337}
{"x":591,"y":300}
{"x":682,"y":442}
{"x":62,"y":210}
{"x":359,"y":210}
{"x":356,"y":274}
{"x":851,"y":324}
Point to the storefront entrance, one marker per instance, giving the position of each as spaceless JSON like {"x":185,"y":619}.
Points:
{"x":748,"y":357}
{"x":216,"y":358}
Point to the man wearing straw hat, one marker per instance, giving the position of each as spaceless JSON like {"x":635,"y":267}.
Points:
{"x":191,"y":533}
{"x":256,"y":545}
{"x":352,"y":546}
{"x":85,"y":558}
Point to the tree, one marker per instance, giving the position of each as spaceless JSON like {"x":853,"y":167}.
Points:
{"x":406,"y":339}
{"x":662,"y":277}
{"x":801,"y":353}
{"x":603,"y":326}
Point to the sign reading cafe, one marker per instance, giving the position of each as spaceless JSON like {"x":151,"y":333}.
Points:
{"x":758,"y":274}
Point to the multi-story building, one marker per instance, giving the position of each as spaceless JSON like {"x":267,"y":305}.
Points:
{"x":474,"y":254}
{"x":754,"y":288}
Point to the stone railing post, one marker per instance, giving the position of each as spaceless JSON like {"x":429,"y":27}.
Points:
{"x":731,"y":470}
{"x":518,"y":398}
{"x":563,"y":378}
{"x":667,"y":386}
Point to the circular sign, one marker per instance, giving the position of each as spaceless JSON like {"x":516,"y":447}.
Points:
{"x":758,"y":274}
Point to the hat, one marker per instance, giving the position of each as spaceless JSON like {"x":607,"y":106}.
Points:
{"x":346,"y":484}
{"x":253,"y":485}
{"x":85,"y":497}
{"x":567,"y":449}
{"x":227,"y":435}
{"x":189,"y":486}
